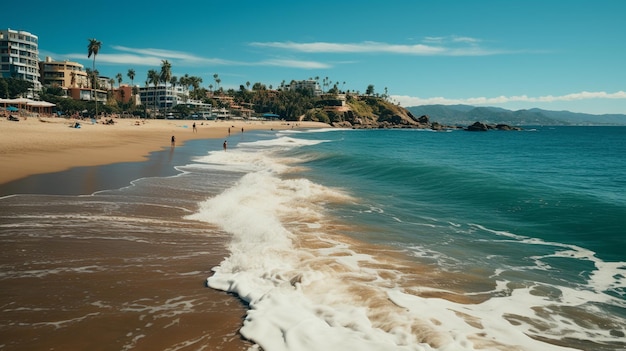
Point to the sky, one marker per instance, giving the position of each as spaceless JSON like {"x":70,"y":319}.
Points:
{"x":550,"y":54}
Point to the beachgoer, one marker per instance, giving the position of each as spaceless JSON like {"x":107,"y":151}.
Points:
{"x":242,"y":129}
{"x":173,"y":140}
{"x":228,"y":130}
{"x":225,"y":145}
{"x":194,"y":127}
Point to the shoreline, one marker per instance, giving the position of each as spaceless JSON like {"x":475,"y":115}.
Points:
{"x":45,"y":145}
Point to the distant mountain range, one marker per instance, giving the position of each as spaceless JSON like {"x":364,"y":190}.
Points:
{"x":465,"y":115}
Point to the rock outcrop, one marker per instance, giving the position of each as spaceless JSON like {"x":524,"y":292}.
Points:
{"x":366,"y":112}
{"x":483,"y":127}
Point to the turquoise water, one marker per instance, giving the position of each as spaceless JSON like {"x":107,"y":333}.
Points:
{"x":566,"y":184}
{"x":427,"y":240}
{"x":386,"y":239}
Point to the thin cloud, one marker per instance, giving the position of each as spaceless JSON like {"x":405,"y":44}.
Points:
{"x":294,"y":64}
{"x":159,"y":53}
{"x":121,"y":59}
{"x":180,"y":57}
{"x":406,"y":100}
{"x":432,"y":46}
{"x":154,"y":57}
{"x":437,"y":40}
{"x":465,"y":40}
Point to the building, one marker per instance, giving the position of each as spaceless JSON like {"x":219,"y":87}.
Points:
{"x":65,"y":74}
{"x":162,"y":97}
{"x":19,"y":57}
{"x":72,"y":78}
{"x":124,"y":94}
{"x":308,"y":84}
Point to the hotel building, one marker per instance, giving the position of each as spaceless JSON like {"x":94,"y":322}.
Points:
{"x":19,"y":57}
{"x":64,"y":74}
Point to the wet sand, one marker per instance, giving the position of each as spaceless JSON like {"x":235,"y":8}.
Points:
{"x":90,"y":285}
{"x":140,"y":291}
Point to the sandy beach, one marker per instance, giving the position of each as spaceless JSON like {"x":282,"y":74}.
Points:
{"x":116,"y":272}
{"x":43,"y":145}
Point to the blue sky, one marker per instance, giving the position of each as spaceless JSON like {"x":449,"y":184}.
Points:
{"x":552,"y":54}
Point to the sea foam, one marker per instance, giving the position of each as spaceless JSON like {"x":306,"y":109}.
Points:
{"x":309,"y":287}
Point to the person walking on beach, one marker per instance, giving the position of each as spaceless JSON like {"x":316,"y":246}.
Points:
{"x":194,"y":127}
{"x":173,"y":141}
{"x":225,"y":145}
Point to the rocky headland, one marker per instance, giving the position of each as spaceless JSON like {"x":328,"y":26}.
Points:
{"x":369,"y":112}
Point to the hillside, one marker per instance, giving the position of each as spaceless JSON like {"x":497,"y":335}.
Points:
{"x":466,"y":115}
{"x":365,"y":112}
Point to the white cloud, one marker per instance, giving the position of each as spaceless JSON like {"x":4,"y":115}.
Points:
{"x":153,"y":57}
{"x":324,"y":47}
{"x":406,"y":100}
{"x":159,"y":53}
{"x":378,"y":47}
{"x":294,"y":64}
{"x":123,"y":59}
{"x":437,"y":40}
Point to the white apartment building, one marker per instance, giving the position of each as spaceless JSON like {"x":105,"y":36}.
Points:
{"x":307,"y":84}
{"x":161,"y":96}
{"x":19,"y":56}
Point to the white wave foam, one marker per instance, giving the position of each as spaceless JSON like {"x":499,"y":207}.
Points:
{"x":253,"y":156}
{"x":606,"y":277}
{"x":307,"y":290}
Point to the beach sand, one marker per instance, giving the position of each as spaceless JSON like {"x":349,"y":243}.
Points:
{"x":100,"y":287}
{"x":45,"y":145}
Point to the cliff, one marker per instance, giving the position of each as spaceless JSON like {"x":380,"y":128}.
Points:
{"x":367,"y":112}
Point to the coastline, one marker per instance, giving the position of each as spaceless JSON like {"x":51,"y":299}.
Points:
{"x":148,"y":288}
{"x":45,"y":145}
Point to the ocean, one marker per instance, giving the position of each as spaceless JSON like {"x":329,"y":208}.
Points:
{"x":331,"y":239}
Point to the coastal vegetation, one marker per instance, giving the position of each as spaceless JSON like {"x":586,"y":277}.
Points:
{"x":331,"y":104}
{"x":14,"y":87}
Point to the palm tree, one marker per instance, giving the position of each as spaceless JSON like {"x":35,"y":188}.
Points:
{"x":153,"y":77}
{"x":89,"y":77}
{"x":112,"y":83}
{"x":131,"y":75}
{"x":166,"y":75}
{"x":174,"y":81}
{"x":217,"y":81}
{"x":184,"y":82}
{"x":73,"y":79}
{"x":195,"y":83}
{"x":92,"y":49}
{"x":119,"y":80}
